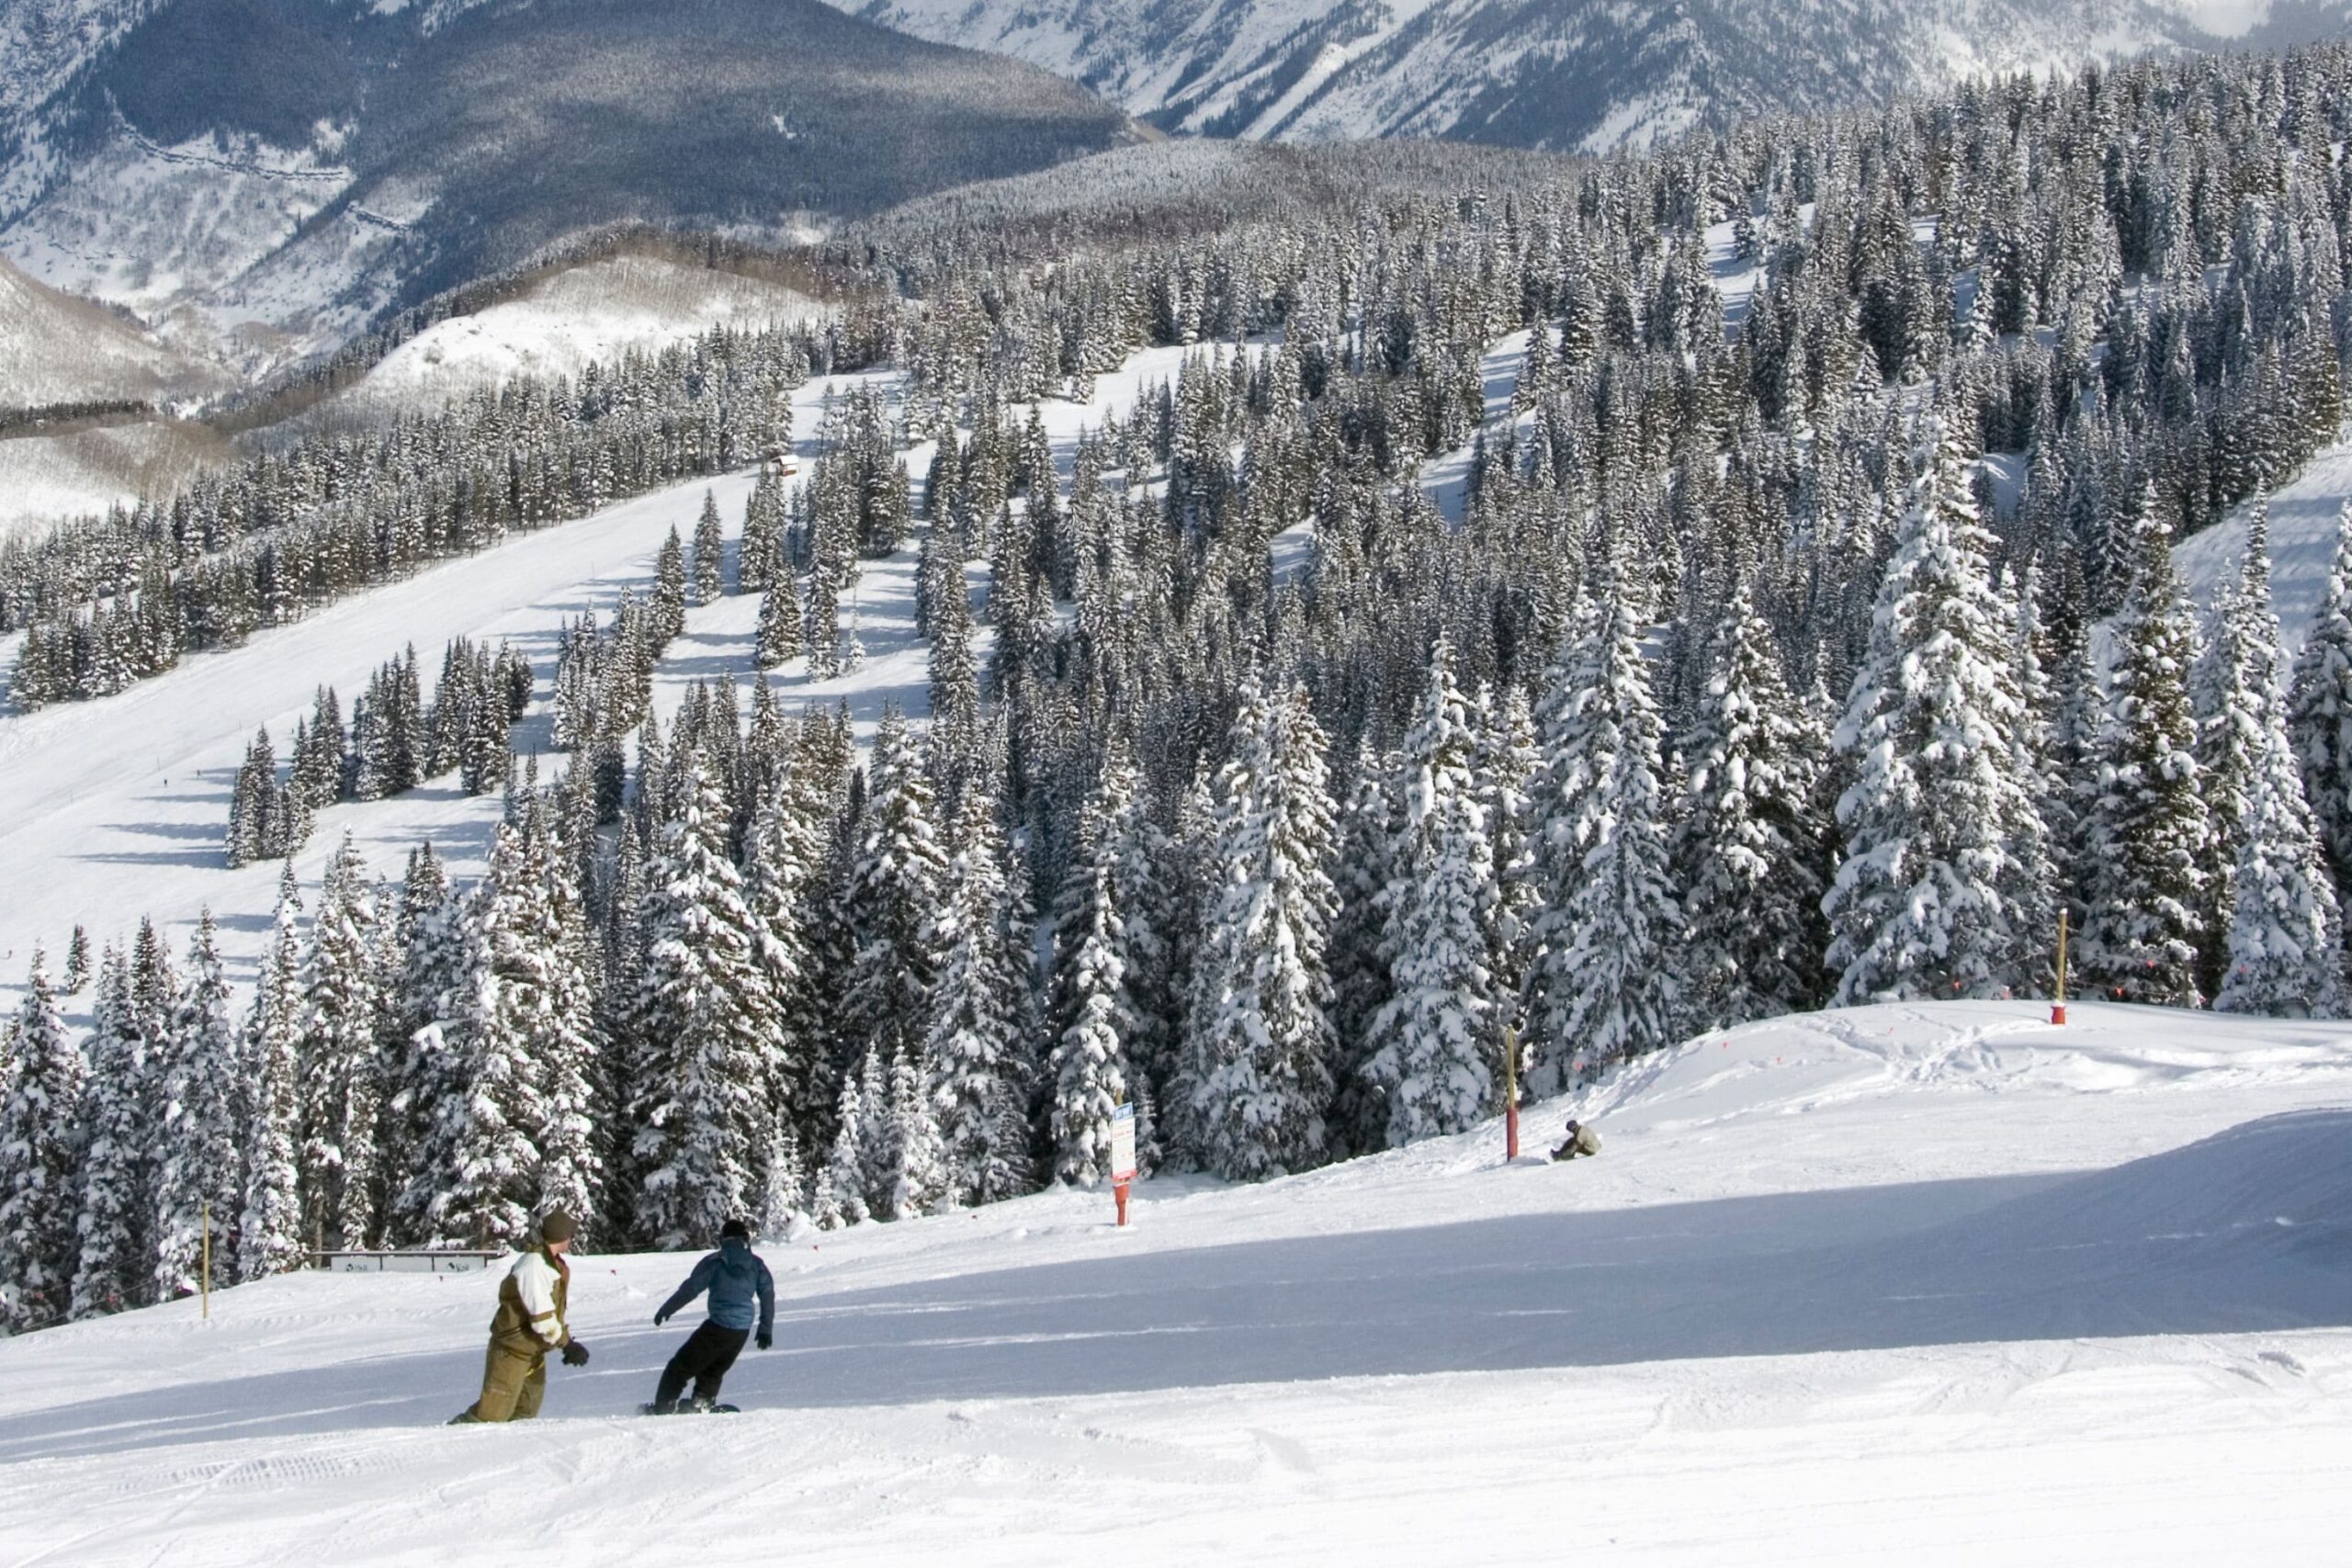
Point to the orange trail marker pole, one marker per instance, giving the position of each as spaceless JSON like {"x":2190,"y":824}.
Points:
{"x":2058,"y":1004}
{"x":1511,"y":1093}
{"x":1122,"y":1156}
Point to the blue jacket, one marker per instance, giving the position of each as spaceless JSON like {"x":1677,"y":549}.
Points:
{"x":732,"y":1275}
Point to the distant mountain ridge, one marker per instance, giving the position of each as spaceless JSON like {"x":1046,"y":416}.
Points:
{"x":261,"y":178}
{"x":58,"y":351}
{"x":1560,"y":74}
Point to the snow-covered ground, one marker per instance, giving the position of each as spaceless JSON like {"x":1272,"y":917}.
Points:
{"x":596,"y":312}
{"x":1937,"y":1280}
{"x":116,"y":808}
{"x":2302,"y":543}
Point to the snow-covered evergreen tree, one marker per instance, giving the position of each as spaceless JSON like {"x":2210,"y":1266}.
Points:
{"x":709,"y":552}
{"x":1924,"y":901}
{"x":1509,"y":760}
{"x":973,"y":1050}
{"x":778,"y":638}
{"x":840,"y":1196}
{"x":784,"y":1192}
{"x":1154,"y":900}
{"x":481,"y":1156}
{"x":1749,"y":848}
{"x":1092,"y":1011}
{"x":2285,"y":929}
{"x":895,"y":890}
{"x":1259,"y":1044}
{"x":2320,"y":710}
{"x":116,"y":1225}
{"x":919,"y":1179}
{"x":2147,"y":831}
{"x":1438,"y":1043}
{"x":701,"y":1114}
{"x":77,"y":962}
{"x":1361,"y":984}
{"x":1603,"y":984}
{"x":572,"y":1175}
{"x":40,"y":1161}
{"x":202,"y":1169}
{"x":783,"y":857}
{"x":877,"y":1143}
{"x":269,"y":1231}
{"x":341,"y":1078}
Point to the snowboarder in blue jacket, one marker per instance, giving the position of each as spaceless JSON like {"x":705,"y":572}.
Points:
{"x":734,"y":1275}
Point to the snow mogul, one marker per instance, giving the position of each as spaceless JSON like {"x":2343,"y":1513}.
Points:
{"x":733,"y":1275}
{"x":1582,"y":1140}
{"x":531,"y":1321}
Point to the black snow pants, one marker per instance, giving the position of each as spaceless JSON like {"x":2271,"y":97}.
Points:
{"x":703,"y":1359}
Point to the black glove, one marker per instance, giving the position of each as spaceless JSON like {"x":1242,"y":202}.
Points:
{"x":660,"y":1317}
{"x":765,"y":1340}
{"x":575,"y":1354}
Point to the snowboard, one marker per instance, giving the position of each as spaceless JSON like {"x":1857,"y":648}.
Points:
{"x":692,"y":1410}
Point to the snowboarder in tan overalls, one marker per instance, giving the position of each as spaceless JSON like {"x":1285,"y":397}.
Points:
{"x":1582,"y":1140}
{"x":531,"y":1321}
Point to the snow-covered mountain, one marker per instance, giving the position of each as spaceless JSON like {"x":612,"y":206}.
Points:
{"x":56,"y":349}
{"x":1562,"y":74}
{"x":262,"y":178}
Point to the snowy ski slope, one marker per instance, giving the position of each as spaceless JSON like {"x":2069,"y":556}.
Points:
{"x":1935,"y":1280}
{"x":2302,"y":543}
{"x":115,"y":808}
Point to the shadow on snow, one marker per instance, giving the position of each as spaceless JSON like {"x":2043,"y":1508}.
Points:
{"x":2240,"y":1234}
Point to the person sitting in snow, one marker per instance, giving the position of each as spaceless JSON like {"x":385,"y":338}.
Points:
{"x":531,"y":1321}
{"x":1582,"y":1140}
{"x":733,"y":1275}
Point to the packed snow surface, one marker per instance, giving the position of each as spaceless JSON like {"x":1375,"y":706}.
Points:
{"x":1935,"y":1280}
{"x":2303,"y":526}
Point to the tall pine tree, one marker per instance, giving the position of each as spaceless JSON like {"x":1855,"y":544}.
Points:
{"x":1603,"y":983}
{"x":1259,"y":1044}
{"x":1749,"y":847}
{"x":1926,"y":901}
{"x":117,"y":1218}
{"x":270,"y":1233}
{"x":341,"y":1078}
{"x":702,"y":1118}
{"x":2147,"y":831}
{"x":1438,"y":1043}
{"x":40,"y":1161}
{"x":2285,"y":926}
{"x":202,"y":1171}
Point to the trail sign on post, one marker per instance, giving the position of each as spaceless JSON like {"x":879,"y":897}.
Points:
{"x":1122,"y":1156}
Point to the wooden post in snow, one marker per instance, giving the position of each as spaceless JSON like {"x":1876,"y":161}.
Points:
{"x":1511,"y":1093}
{"x":2058,"y":1004}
